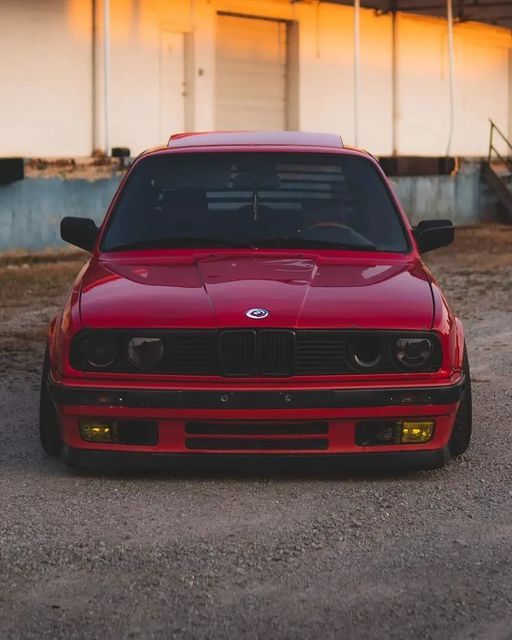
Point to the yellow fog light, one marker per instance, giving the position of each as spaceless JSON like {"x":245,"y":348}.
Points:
{"x":96,"y":431}
{"x":417,"y":432}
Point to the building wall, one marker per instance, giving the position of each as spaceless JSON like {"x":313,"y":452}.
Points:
{"x":45,"y":78}
{"x":48,"y":106}
{"x":481,"y":86}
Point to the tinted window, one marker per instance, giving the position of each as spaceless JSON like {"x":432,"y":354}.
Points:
{"x":255,"y":199}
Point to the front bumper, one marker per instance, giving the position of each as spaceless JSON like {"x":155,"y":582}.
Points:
{"x":248,"y":463}
{"x":174,"y":410}
{"x":257,"y":400}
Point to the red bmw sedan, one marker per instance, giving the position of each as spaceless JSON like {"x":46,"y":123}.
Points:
{"x":255,"y":294}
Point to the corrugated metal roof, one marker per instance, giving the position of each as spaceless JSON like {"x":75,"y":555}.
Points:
{"x":496,"y":12}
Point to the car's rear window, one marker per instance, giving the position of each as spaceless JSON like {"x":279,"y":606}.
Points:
{"x":255,"y":199}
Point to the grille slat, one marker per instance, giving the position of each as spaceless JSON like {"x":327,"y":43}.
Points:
{"x":238,"y":353}
{"x":276,"y":353}
{"x":321,"y":354}
{"x":191,"y":353}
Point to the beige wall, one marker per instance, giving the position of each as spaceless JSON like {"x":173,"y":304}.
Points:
{"x":481,"y":85}
{"x":46,"y":75}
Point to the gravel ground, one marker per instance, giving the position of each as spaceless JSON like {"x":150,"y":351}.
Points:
{"x":254,"y":554}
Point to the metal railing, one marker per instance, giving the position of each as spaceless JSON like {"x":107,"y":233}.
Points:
{"x":507,"y":160}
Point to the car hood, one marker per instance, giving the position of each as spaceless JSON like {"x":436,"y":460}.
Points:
{"x":216,"y":290}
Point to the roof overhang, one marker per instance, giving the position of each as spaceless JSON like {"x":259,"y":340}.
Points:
{"x":495,"y":12}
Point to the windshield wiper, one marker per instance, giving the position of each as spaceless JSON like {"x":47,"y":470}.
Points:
{"x":305,"y":243}
{"x":180,"y":242}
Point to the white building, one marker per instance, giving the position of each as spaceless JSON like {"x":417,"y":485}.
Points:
{"x":176,"y":65}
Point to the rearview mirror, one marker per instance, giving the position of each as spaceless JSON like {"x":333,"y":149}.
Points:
{"x":433,"y":234}
{"x":82,"y":232}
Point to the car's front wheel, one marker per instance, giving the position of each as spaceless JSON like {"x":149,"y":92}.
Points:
{"x":461,"y":434}
{"x":49,"y":431}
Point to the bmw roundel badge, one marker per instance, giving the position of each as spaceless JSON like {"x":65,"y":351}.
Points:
{"x":257,"y":314}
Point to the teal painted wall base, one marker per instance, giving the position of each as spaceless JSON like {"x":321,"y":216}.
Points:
{"x":31,"y":209}
{"x":463,"y":197}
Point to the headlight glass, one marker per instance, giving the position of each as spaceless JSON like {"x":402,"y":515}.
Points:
{"x":365,"y":353}
{"x":412,"y":353}
{"x":145,"y":353}
{"x":100,"y":351}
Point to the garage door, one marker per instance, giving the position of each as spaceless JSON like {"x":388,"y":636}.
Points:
{"x":250,"y":74}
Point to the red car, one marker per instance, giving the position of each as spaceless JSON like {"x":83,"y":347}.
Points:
{"x":255,"y":294}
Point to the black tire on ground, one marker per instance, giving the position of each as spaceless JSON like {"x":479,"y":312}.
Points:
{"x":461,"y":434}
{"x":49,"y":431}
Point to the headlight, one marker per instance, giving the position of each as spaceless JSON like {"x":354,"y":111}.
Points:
{"x":365,"y":353}
{"x":412,"y":353}
{"x":100,"y":352}
{"x":145,"y":353}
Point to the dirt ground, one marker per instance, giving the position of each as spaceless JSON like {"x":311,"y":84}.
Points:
{"x":246,"y":556}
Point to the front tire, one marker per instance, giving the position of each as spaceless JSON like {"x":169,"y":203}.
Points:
{"x":49,"y":432}
{"x":461,"y":434}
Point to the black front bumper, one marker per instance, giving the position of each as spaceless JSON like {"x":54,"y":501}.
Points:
{"x":226,"y":399}
{"x":118,"y":461}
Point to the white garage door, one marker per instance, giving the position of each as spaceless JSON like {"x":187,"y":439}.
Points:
{"x":250,"y":74}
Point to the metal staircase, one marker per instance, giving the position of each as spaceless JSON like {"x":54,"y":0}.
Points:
{"x":497,"y":170}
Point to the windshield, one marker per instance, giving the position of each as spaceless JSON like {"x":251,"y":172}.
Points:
{"x":288,"y":200}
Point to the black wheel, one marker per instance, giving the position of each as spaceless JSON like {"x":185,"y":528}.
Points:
{"x":49,"y":432}
{"x":461,"y":434}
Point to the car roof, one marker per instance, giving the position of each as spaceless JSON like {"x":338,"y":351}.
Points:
{"x":255,"y":138}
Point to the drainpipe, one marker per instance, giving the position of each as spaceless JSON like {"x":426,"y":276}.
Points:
{"x":357,"y":11}
{"x":94,"y":88}
{"x":394,"y":79}
{"x":449,"y":17}
{"x":106,"y":72}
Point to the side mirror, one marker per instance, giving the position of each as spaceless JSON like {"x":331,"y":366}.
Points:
{"x":433,"y":234}
{"x":82,"y":232}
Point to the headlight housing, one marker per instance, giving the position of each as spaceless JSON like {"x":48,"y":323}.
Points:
{"x":145,"y":353}
{"x":100,"y":352}
{"x":365,"y":353}
{"x":387,"y":352}
{"x":412,"y":353}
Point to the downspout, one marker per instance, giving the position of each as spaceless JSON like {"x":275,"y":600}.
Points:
{"x":451,"y":63}
{"x":94,"y":87}
{"x":190,"y":71}
{"x":357,"y":11}
{"x":106,"y":73}
{"x":394,"y":79}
